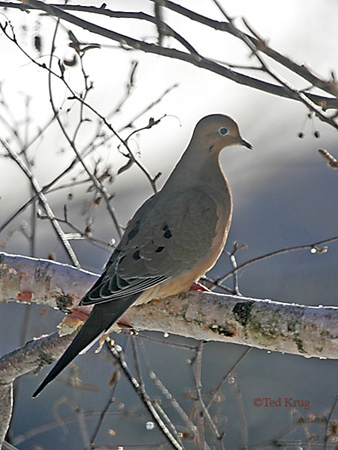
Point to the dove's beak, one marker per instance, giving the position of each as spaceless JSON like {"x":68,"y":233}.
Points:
{"x":245,"y":143}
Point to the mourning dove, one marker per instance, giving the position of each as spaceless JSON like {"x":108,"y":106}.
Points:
{"x":173,"y":239}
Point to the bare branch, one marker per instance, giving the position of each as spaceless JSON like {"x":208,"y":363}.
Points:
{"x":43,"y":282}
{"x":139,"y":388}
{"x":265,"y":324}
{"x":295,"y":92}
{"x":44,"y":202}
{"x":192,"y":58}
{"x":331,"y":160}
{"x":299,"y":69}
{"x":6,"y":402}
{"x":290,"y":328}
{"x":72,"y":143}
{"x":34,"y":355}
{"x":315,"y":247}
{"x":166,"y":393}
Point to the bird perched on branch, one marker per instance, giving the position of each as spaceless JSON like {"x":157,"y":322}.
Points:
{"x":173,"y":239}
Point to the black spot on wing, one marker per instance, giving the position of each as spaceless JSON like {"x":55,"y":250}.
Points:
{"x":167,"y":233}
{"x":137,"y":255}
{"x":159,"y":249}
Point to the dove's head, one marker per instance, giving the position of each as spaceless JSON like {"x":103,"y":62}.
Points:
{"x":217,"y":131}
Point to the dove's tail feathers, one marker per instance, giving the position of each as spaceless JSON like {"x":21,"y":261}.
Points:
{"x":99,"y":321}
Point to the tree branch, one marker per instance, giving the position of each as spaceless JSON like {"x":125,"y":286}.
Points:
{"x":192,"y":58}
{"x":271,"y":325}
{"x":288,"y":328}
{"x":44,"y":202}
{"x":34,"y":355}
{"x":6,"y":402}
{"x":299,"y":69}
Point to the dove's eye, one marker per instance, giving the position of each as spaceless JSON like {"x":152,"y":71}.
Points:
{"x":223,"y":131}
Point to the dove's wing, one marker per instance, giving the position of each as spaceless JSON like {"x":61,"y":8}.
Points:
{"x":165,"y":238}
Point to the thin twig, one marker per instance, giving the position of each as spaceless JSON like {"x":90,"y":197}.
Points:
{"x":143,"y":396}
{"x":204,"y":415}
{"x":243,"y":426}
{"x":156,"y":405}
{"x":255,"y":48}
{"x":326,"y":433}
{"x":165,"y":392}
{"x":331,"y":161}
{"x":77,"y":97}
{"x":299,"y":69}
{"x":226,"y":376}
{"x":314,"y":247}
{"x":71,"y":142}
{"x":43,"y":200}
{"x":79,"y":234}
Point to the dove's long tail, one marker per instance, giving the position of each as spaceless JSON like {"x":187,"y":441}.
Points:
{"x":99,"y":321}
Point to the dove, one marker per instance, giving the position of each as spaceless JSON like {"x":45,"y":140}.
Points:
{"x":174,"y":238}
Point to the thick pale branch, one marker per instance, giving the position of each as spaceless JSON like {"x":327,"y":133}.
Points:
{"x":285,"y":327}
{"x":6,"y":402}
{"x":265,"y":324}
{"x":32,"y":356}
{"x":31,"y":280}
